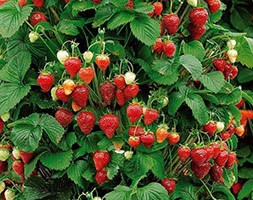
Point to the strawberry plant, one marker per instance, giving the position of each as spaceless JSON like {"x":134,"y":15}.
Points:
{"x":123,"y":99}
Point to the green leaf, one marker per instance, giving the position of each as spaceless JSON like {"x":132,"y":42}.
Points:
{"x":14,"y":71}
{"x":145,"y":29}
{"x":175,"y":101}
{"x":75,"y":172}
{"x":243,"y":152}
{"x":52,"y":128}
{"x":232,"y":97}
{"x":213,"y":81}
{"x":12,"y":17}
{"x":246,"y":173}
{"x":245,"y":51}
{"x":185,"y":191}
{"x":116,"y":49}
{"x":120,"y":193}
{"x":89,"y":174}
{"x":239,"y":17}
{"x":103,"y":14}
{"x":223,"y":189}
{"x":198,"y":107}
{"x":194,"y":48}
{"x":192,"y":65}
{"x":245,"y":75}
{"x":67,"y":27}
{"x":120,"y":18}
{"x":143,"y":7}
{"x":115,"y":163}
{"x":118,"y":3}
{"x":235,"y":113}
{"x":246,"y":190}
{"x":57,"y":161}
{"x":67,"y":141}
{"x":11,"y":94}
{"x":158,"y":167}
{"x":83,"y":5}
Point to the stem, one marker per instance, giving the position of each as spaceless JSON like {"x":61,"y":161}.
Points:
{"x":54,"y":13}
{"x":210,"y":193}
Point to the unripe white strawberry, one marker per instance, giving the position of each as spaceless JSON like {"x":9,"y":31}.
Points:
{"x":87,"y":56}
{"x":193,"y":3}
{"x":53,"y":93}
{"x":97,"y":198}
{"x":129,"y":77}
{"x":231,"y":44}
{"x":62,"y":55}
{"x":220,"y":126}
{"x":2,"y":186}
{"x":128,"y":155}
{"x":232,"y":55}
{"x":33,"y":36}
{"x":9,"y":194}
{"x":5,"y":117}
{"x":16,"y":154}
{"x":165,"y":101}
{"x":4,"y":154}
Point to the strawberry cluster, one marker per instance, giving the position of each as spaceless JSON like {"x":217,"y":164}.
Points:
{"x":167,"y":47}
{"x":101,"y":159}
{"x":228,"y":70}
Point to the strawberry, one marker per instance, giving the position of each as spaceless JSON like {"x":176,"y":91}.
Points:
{"x":173,"y":138}
{"x":86,"y":74}
{"x":171,"y":23}
{"x":222,"y":158}
{"x":38,"y":3}
{"x":234,"y":72}
{"x":134,"y":141}
{"x":169,"y":48}
{"x":240,"y":130}
{"x":37,"y":17}
{"x":45,"y":81}
{"x":120,"y":97}
{"x":61,"y":95}
{"x":225,"y":135}
{"x":227,"y":71}
{"x":86,"y":121}
{"x":80,"y":95}
{"x":26,"y":156}
{"x":107,"y":91}
{"x":3,"y":166}
{"x":15,"y":154}
{"x":158,"y":8}
{"x":131,"y":91}
{"x":198,"y":16}
{"x":2,"y":2}
{"x":62,"y":56}
{"x":101,"y":159}
{"x":134,"y":112}
{"x":150,"y":115}
{"x":101,"y":177}
{"x":4,"y":154}
{"x":68,"y":86}
{"x":129,"y":4}
{"x":162,"y":133}
{"x":199,"y":155}
{"x":64,"y":116}
{"x":135,"y":131}
{"x":158,"y":46}
{"x":2,"y":186}
{"x":214,"y":6}
{"x":22,"y":3}
{"x":72,"y":65}
{"x":9,"y":194}
{"x":119,"y":81}
{"x":236,"y":187}
{"x":87,"y":56}
{"x":216,"y":173}
{"x":220,"y":126}
{"x":240,"y":104}
{"x":220,"y":64}
{"x":18,"y":167}
{"x":200,"y":171}
{"x":210,"y":152}
{"x":66,"y":1}
{"x":169,"y":185}
{"x":1,"y":125}
{"x":75,"y":107}
{"x":108,"y":124}
{"x":183,"y":152}
{"x":148,"y":139}
{"x":231,"y":160}
{"x":231,"y":129}
{"x":128,"y":155}
{"x":97,"y":1}
{"x":162,"y":30}
{"x":210,"y":127}
{"x":129,"y":77}
{"x":102,"y":61}
{"x":196,"y":31}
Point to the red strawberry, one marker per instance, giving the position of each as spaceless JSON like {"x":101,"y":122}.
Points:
{"x":45,"y":81}
{"x":169,"y":48}
{"x":231,"y":160}
{"x":86,"y":74}
{"x":22,"y":3}
{"x":222,"y":158}
{"x":26,"y":156}
{"x":148,"y":139}
{"x":129,"y":4}
{"x":199,"y":155}
{"x":219,"y":64}
{"x":119,"y":81}
{"x":1,"y":125}
{"x":2,"y":2}
{"x":173,"y":138}
{"x":200,"y":171}
{"x":215,"y":6}
{"x":210,"y":127}
{"x":158,"y":8}
{"x":183,"y":152}
{"x":101,"y":177}
{"x":72,"y":66}
{"x":131,"y":91}
{"x":38,"y":3}
{"x":169,"y":185}
{"x":150,"y":115}
{"x":66,"y":1}
{"x":162,"y":133}
{"x":198,"y":16}
{"x":3,"y":166}
{"x":86,"y":121}
{"x":227,"y":71}
{"x":97,"y":1}
{"x":134,"y":112}
{"x":134,"y":141}
{"x":101,"y":159}
{"x":108,"y":124}
{"x":135,"y":131}
{"x":236,"y":187}
{"x":158,"y":46}
{"x":196,"y":31}
{"x":120,"y":97}
{"x":240,"y":104}
{"x":80,"y":95}
{"x":61,"y":95}
{"x":102,"y":61}
{"x":37,"y":17}
{"x":162,"y":30}
{"x":216,"y":173}
{"x":64,"y":117}
{"x":234,"y":72}
{"x":210,"y":152}
{"x":225,"y":135}
{"x":171,"y":23}
{"x":107,"y":91}
{"x":216,"y":148}
{"x":18,"y":167}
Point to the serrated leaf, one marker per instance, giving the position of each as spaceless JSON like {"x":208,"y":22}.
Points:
{"x":12,"y":17}
{"x":192,"y":65}
{"x":245,"y":75}
{"x":67,"y":27}
{"x":120,"y":18}
{"x":245,"y":51}
{"x":116,"y":49}
{"x":143,"y":7}
{"x":185,"y":191}
{"x":83,"y":5}
{"x":175,"y":101}
{"x":89,"y":174}
{"x":232,"y":97}
{"x":223,"y":189}
{"x":213,"y":81}
{"x":67,"y":141}
{"x":57,"y":161}
{"x":239,"y":17}
{"x":246,"y":190}
{"x":194,"y":48}
{"x":246,"y":172}
{"x":115,"y":162}
{"x":119,"y":192}
{"x":75,"y":172}
{"x":145,"y":29}
{"x":235,"y":113}
{"x":103,"y":14}
{"x":158,"y":167}
{"x":243,"y":152}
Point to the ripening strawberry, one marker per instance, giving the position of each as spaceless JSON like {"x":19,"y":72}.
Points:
{"x":101,"y":159}
{"x":198,"y":16}
{"x":183,"y":153}
{"x":131,"y":91}
{"x":169,"y":185}
{"x":119,"y":81}
{"x":64,"y":117}
{"x":18,"y":167}
{"x":214,"y":6}
{"x":75,"y":106}
{"x":45,"y":81}
{"x":60,"y":94}
{"x":134,"y":141}
{"x":134,"y":111}
{"x":22,"y":3}
{"x":26,"y":156}
{"x":169,"y":48}
{"x":196,"y":31}
{"x":162,"y":133}
{"x":173,"y":138}
{"x":200,"y":171}
{"x":220,"y":64}
{"x":216,"y":173}
{"x":108,"y":124}
{"x":101,"y":176}
{"x":135,"y":131}
{"x":107,"y":91}
{"x":240,"y":130}
{"x":102,"y":61}
{"x":68,"y":86}
{"x":150,"y":115}
{"x":158,"y":8}
{"x":72,"y":66}
{"x":148,"y":139}
{"x":120,"y":97}
{"x":210,"y":127}
{"x":86,"y":74}
{"x":2,"y":2}
{"x":171,"y":23}
{"x":158,"y":46}
{"x":86,"y":121}
{"x":37,"y":17}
